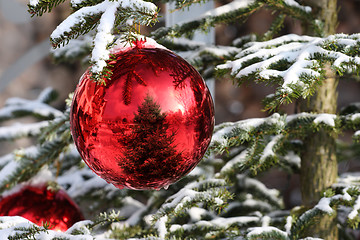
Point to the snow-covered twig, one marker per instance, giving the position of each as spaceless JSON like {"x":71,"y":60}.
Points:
{"x":294,"y":62}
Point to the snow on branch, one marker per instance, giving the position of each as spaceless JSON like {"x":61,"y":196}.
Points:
{"x":232,"y":12}
{"x":266,"y":233}
{"x":324,"y":206}
{"x":39,"y":7}
{"x":295,"y":63}
{"x":80,"y":182}
{"x":255,"y":186}
{"x":28,"y":162}
{"x":218,"y":225}
{"x":105,"y":17}
{"x":17,"y":107}
{"x":19,"y":130}
{"x":265,"y":138}
{"x":210,"y":191}
{"x":75,"y":49}
{"x":226,"y":13}
{"x":293,"y":3}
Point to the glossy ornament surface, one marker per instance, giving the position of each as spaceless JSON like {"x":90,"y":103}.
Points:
{"x":149,"y":125}
{"x":39,"y":205}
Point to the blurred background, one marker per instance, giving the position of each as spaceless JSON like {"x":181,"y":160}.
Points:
{"x":26,"y":68}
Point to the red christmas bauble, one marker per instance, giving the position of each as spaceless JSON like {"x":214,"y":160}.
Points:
{"x":38,"y":204}
{"x":149,"y":125}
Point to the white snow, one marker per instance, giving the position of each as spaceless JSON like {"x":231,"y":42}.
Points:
{"x":292,"y":158}
{"x":161,"y":227}
{"x":355,"y":210}
{"x":33,"y":2}
{"x":80,"y":225}
{"x":265,"y":221}
{"x":218,"y":201}
{"x":297,"y":5}
{"x":104,"y":37}
{"x":237,"y":4}
{"x":346,"y":196}
{"x":311,"y":238}
{"x":237,"y":160}
{"x":20,"y":129}
{"x":288,"y":224}
{"x":324,"y":205}
{"x":223,"y":222}
{"x":9,"y":226}
{"x":328,"y":119}
{"x":355,"y":116}
{"x":74,"y":3}
{"x":260,"y":230}
{"x":196,"y":213}
{"x":269,"y":148}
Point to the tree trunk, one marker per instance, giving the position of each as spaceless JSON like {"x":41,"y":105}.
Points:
{"x":319,"y":168}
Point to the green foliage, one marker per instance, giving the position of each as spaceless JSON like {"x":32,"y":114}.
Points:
{"x":43,"y":6}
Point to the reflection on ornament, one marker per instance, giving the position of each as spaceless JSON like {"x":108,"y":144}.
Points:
{"x":149,"y":125}
{"x":40,"y":205}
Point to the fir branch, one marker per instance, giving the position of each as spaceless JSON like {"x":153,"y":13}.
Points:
{"x":28,"y":163}
{"x":275,"y":27}
{"x":293,"y":9}
{"x":267,"y":138}
{"x":213,"y":195}
{"x":39,"y":7}
{"x":22,"y":170}
{"x":184,"y":4}
{"x":77,"y":4}
{"x":239,"y":10}
{"x":105,"y":218}
{"x":259,"y":190}
{"x":74,"y":50}
{"x":18,"y":107}
{"x":19,"y":130}
{"x":59,"y":124}
{"x":218,"y":228}
{"x":230,"y":134}
{"x":107,"y":17}
{"x":18,"y":228}
{"x":295,"y":63}
{"x":27,"y":232}
{"x":324,"y":206}
{"x":266,"y":233}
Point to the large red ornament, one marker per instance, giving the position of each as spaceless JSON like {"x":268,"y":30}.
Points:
{"x":38,"y":204}
{"x":149,"y":125}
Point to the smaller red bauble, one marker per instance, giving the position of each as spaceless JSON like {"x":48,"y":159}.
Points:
{"x":149,"y":125}
{"x":38,"y":204}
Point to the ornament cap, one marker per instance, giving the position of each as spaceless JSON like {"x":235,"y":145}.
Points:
{"x":139,"y":43}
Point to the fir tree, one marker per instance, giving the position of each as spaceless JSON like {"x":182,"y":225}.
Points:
{"x":221,"y":198}
{"x":149,"y":145}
